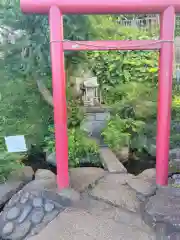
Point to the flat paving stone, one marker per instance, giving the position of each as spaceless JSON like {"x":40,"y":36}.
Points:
{"x":74,"y":224}
{"x":82,"y":178}
{"x":110,"y":161}
{"x":119,"y":215}
{"x":113,"y":189}
{"x":142,"y":186}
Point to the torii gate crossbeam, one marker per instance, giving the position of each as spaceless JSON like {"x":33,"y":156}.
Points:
{"x":56,"y":9}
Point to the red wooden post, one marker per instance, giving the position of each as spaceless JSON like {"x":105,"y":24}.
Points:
{"x":165,"y":95}
{"x":59,"y":95}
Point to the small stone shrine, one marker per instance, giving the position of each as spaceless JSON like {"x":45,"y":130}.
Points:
{"x":91,"y":95}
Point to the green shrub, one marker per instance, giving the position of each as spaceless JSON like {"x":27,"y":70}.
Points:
{"x":8,"y":163}
{"x":136,"y":100}
{"x":74,"y":111}
{"x":114,"y":68}
{"x":121,"y":132}
{"x":80,"y":146}
{"x":23,"y":110}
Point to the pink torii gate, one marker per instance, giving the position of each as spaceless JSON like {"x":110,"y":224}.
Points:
{"x":56,"y":9}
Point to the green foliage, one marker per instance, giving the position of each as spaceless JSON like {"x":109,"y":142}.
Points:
{"x":128,"y":81}
{"x":74,"y":111}
{"x":133,"y":100}
{"x":177,"y":26}
{"x":22,"y":110}
{"x":121,"y":132}
{"x":107,"y":28}
{"x":116,"y":68}
{"x":113,"y":69}
{"x":30,"y":53}
{"x":80,"y":146}
{"x":8,"y":163}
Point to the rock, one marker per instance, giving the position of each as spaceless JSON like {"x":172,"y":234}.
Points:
{"x":8,"y":229}
{"x":123,"y":154}
{"x":25,"y":213}
{"x":163,"y":208}
{"x":82,"y":178}
{"x":15,"y":199}
{"x":69,"y":193}
{"x":37,"y":216}
{"x":44,"y":174}
{"x":7,"y":190}
{"x":62,"y":201}
{"x":24,"y":174}
{"x":41,"y":184}
{"x":114,"y":189}
{"x":38,"y":202}
{"x":24,"y":198}
{"x":49,"y":207}
{"x":18,"y":221}
{"x":142,"y":186}
{"x":13,"y":213}
{"x":120,"y":179}
{"x":148,"y":174}
{"x":21,"y":231}
{"x":110,"y":161}
{"x":51,"y":159}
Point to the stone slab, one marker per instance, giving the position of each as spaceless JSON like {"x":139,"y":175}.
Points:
{"x":82,"y":178}
{"x":73,"y":224}
{"x":142,"y":186}
{"x":113,"y":189}
{"x":110,"y":161}
{"x":119,"y":215}
{"x":148,"y":175}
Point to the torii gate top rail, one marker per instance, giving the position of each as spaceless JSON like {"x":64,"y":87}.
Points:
{"x":55,"y":9}
{"x":99,"y":6}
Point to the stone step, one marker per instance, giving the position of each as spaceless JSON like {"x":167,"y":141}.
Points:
{"x":110,"y":161}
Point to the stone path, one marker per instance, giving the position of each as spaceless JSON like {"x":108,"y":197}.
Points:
{"x":101,"y":205}
{"x":96,"y":220}
{"x":109,"y":209}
